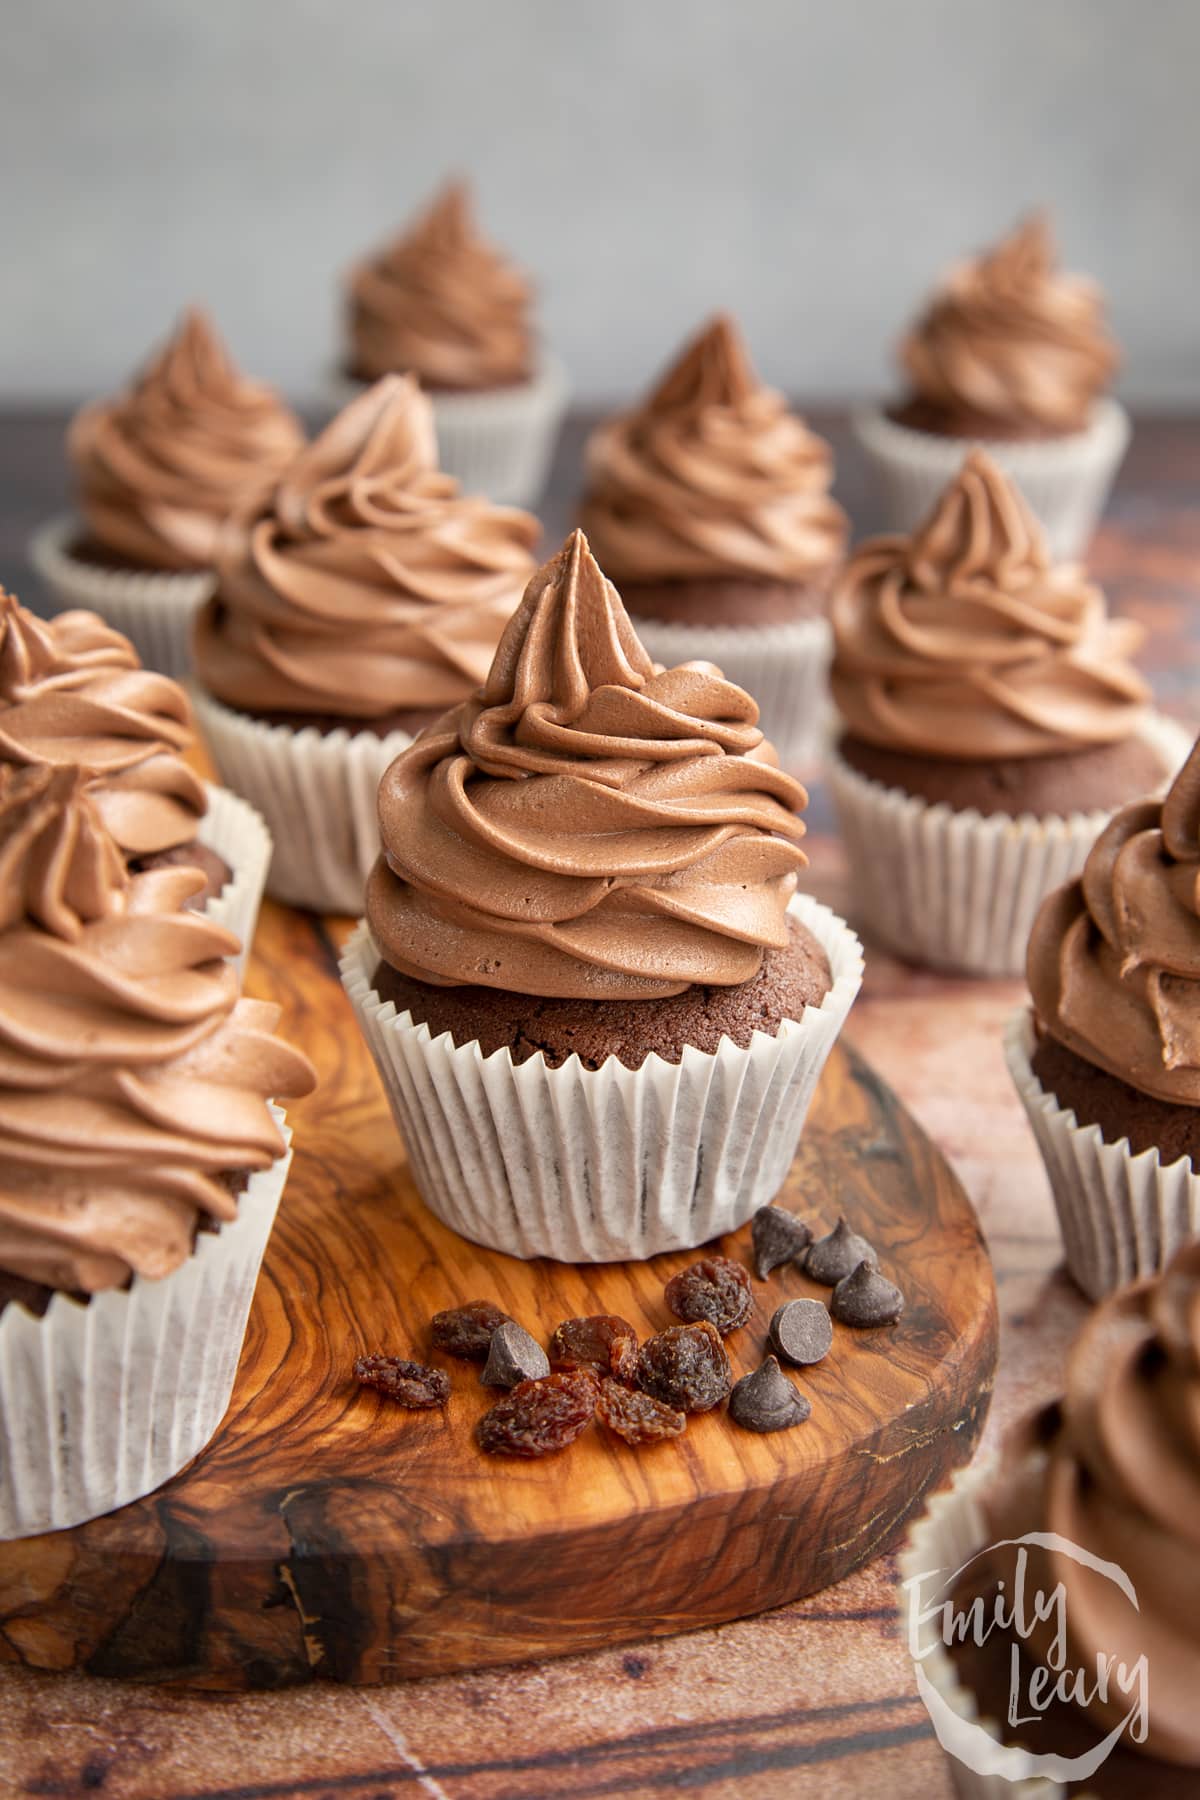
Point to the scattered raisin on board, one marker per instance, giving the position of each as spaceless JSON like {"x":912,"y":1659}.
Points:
{"x":409,"y":1384}
{"x":715,"y":1289}
{"x":602,"y":1342}
{"x":686,"y":1367}
{"x":636,"y":1417}
{"x":538,"y":1418}
{"x":467,"y":1330}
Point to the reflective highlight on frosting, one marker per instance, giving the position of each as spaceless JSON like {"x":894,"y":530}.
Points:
{"x":712,"y":476}
{"x":1012,"y":337}
{"x":585,"y":826}
{"x":160,"y":466}
{"x":441,"y":302}
{"x":1114,"y":958}
{"x":966,"y":641}
{"x":368,"y":583}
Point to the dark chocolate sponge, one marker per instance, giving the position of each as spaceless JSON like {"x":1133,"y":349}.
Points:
{"x":1098,"y":1098}
{"x":725,"y":600}
{"x":1094,"y":780}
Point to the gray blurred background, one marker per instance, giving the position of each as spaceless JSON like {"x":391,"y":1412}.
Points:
{"x":811,"y":166}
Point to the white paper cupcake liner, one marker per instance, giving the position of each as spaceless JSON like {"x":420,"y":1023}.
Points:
{"x":1121,"y":1216}
{"x":955,"y":890}
{"x":784,"y":667}
{"x":235,"y":831}
{"x":599,"y":1165}
{"x":101,"y":1403}
{"x":155,"y":611}
{"x":1065,"y":480}
{"x":317,"y":793}
{"x":499,"y":443}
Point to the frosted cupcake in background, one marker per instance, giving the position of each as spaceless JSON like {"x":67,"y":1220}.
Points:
{"x":157,"y":470}
{"x":992,"y":721}
{"x":140,"y":1161}
{"x":598,"y":1005}
{"x":709,"y":504}
{"x":1108,"y":1061}
{"x":1013,"y":354}
{"x":441,"y":303}
{"x":365,"y":597}
{"x":73,"y":692}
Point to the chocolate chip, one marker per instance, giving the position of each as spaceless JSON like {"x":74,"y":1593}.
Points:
{"x":767,"y":1400}
{"x":830,"y":1259}
{"x":865,"y":1298}
{"x":513,"y":1356}
{"x":777,"y":1237}
{"x":801,"y":1332}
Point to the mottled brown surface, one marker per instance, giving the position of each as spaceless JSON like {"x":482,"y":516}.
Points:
{"x":817,"y":1697}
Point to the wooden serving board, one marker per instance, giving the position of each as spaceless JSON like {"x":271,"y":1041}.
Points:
{"x":327,"y":1534}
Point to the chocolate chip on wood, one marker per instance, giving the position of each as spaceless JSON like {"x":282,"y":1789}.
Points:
{"x":865,"y":1298}
{"x":777,"y":1237}
{"x":767,"y":1401}
{"x":802,"y":1332}
{"x":513,"y":1356}
{"x":830,"y":1259}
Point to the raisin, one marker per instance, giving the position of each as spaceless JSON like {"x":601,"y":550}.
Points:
{"x":638,"y":1418}
{"x":686,"y":1367}
{"x":467,"y":1330}
{"x":407,"y":1383}
{"x":715,"y":1289}
{"x":603,"y":1343}
{"x":538,"y":1418}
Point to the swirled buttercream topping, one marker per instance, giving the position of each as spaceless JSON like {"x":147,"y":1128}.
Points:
{"x":442,"y":303}
{"x":132,"y":1077}
{"x":966,"y":641}
{"x":161,"y":466}
{"x":368,"y":583}
{"x":712,"y":476}
{"x":1011,"y":337}
{"x":73,"y":692}
{"x":1114,"y":958}
{"x":585,"y":825}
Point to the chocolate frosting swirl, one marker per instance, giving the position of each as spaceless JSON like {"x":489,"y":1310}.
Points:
{"x":586,"y":826}
{"x":965,"y":641}
{"x":1011,"y":337}
{"x":131,"y":1074}
{"x":442,"y":303}
{"x":712,"y":476}
{"x":1114,"y":958}
{"x":161,"y":466}
{"x":72,"y":691}
{"x":368,"y":583}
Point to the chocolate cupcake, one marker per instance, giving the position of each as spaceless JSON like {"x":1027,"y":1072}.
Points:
{"x":1108,"y":1063}
{"x":73,"y":692}
{"x":140,"y":1161}
{"x":1013,"y":354}
{"x":158,"y":468}
{"x":991,"y":722}
{"x":596,"y":1002}
{"x":442,"y":304}
{"x":1094,"y":1504}
{"x":363,"y":599}
{"x":710,"y":505}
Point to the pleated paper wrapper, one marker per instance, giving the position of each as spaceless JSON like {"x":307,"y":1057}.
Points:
{"x":955,"y":890}
{"x":235,"y":831}
{"x":154,"y":611}
{"x":1066,"y":480}
{"x":1121,"y":1215}
{"x":317,"y":794}
{"x":599,"y":1165}
{"x":101,"y":1403}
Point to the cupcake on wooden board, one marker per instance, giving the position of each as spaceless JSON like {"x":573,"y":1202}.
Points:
{"x":1108,"y":1061}
{"x":1013,"y":354}
{"x":992,"y":721}
{"x":157,"y":470}
{"x":73,"y":692}
{"x":1110,"y":1474}
{"x":360,"y":602}
{"x":709,"y":504}
{"x":597,"y":1003}
{"x":141,"y":1163}
{"x":443,"y":304}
